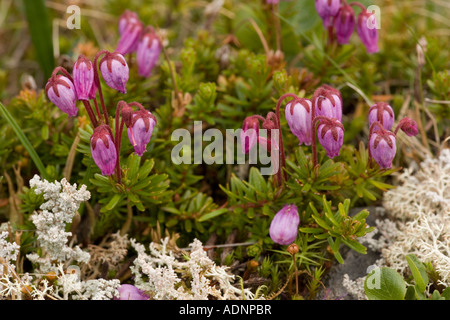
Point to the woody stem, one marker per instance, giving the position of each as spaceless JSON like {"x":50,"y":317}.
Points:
{"x":99,"y":87}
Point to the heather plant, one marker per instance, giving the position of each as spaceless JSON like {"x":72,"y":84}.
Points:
{"x":335,"y":116}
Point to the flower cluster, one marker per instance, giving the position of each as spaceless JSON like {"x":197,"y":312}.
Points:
{"x":382,"y":141}
{"x":339,"y":16}
{"x":134,"y":37}
{"x":64,"y":90}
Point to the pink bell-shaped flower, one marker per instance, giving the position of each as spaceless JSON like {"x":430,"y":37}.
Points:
{"x":327,"y":10}
{"x":140,"y":130}
{"x":130,"y":31}
{"x":61,"y":91}
{"x":328,"y":102}
{"x":115,"y":71}
{"x":148,"y":51}
{"x":344,"y":24}
{"x":103,"y":149}
{"x":331,"y":136}
{"x":408,"y":126}
{"x":383,"y":147}
{"x":366,"y":27}
{"x":130,"y":292}
{"x":249,"y":134}
{"x":83,"y":77}
{"x":284,"y":226}
{"x":298,"y":117}
{"x":383,"y":113}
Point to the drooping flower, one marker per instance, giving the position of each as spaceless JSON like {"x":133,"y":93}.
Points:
{"x":344,"y":24}
{"x":298,"y":117}
{"x":130,"y":292}
{"x":103,"y":149}
{"x":148,"y":51}
{"x":128,"y":17}
{"x":331,"y":136}
{"x":141,"y":129}
{"x":61,"y":91}
{"x":327,"y":10}
{"x":383,"y":147}
{"x":83,"y":77}
{"x":249,"y":134}
{"x":130,"y":29}
{"x":328,"y":102}
{"x":383,"y":113}
{"x":408,"y":126}
{"x":366,"y":27}
{"x":284,"y":226}
{"x":115,"y":71}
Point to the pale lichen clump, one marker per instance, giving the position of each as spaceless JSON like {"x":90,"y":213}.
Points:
{"x":162,"y":274}
{"x":62,"y":202}
{"x":417,"y":221}
{"x":56,"y":276}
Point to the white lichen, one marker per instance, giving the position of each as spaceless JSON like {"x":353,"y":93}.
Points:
{"x":417,"y":221}
{"x":194,"y":276}
{"x":62,"y":202}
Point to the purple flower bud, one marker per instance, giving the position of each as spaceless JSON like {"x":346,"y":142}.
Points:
{"x":61,"y":91}
{"x":284,"y":226}
{"x":129,"y":38}
{"x":382,"y":147}
{"x":366,"y":27}
{"x":408,"y":126}
{"x":115,"y":72}
{"x":272,"y":1}
{"x":103,"y":149}
{"x":249,"y":134}
{"x":83,"y":77}
{"x":344,"y":24}
{"x":331,"y":136}
{"x":148,"y":50}
{"x":141,"y":129}
{"x":383,"y":113}
{"x":328,"y":102}
{"x":130,"y":292}
{"x":298,"y":117}
{"x":327,"y":10}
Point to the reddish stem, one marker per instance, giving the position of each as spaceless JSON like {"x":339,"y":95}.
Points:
{"x":90,"y":112}
{"x":118,"y":138}
{"x":99,"y":87}
{"x":280,"y":136}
